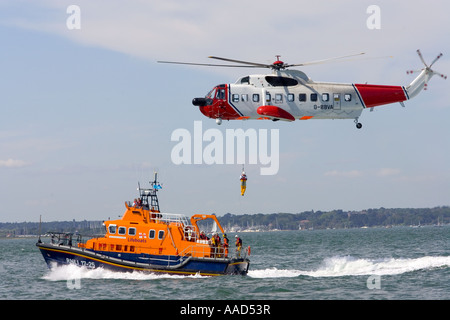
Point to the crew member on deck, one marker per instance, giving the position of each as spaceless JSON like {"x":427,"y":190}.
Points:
{"x":225,"y":245}
{"x":238,"y":246}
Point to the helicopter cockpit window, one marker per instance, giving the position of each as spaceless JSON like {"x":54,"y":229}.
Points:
{"x":220,"y":94}
{"x":211,"y":94}
{"x":281,"y":81}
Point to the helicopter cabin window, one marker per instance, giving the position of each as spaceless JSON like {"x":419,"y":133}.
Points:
{"x":235,"y":97}
{"x":313,"y":96}
{"x":244,"y":97}
{"x":278,"y":98}
{"x":325,"y":97}
{"x":255,"y":97}
{"x":290,"y":97}
{"x":122,"y":230}
{"x":281,"y":81}
{"x":245,"y":80}
{"x":348,"y":97}
{"x":151,"y":234}
{"x":268,"y":97}
{"x":302,"y":97}
{"x":132,"y":231}
{"x":161,"y":234}
{"x":112,"y":228}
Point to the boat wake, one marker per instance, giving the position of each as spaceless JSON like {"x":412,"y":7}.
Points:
{"x":71,"y":272}
{"x":339,"y":266}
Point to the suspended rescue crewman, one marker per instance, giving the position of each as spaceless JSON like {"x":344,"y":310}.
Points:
{"x":243,"y":179}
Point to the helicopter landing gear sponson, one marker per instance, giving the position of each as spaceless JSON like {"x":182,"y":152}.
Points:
{"x":358,"y":124}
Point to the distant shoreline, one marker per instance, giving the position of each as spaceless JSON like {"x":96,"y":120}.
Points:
{"x":308,"y":220}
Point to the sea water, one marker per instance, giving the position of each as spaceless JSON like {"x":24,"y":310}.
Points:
{"x":374,"y":263}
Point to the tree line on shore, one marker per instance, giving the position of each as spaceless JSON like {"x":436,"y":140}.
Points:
{"x":335,"y":219}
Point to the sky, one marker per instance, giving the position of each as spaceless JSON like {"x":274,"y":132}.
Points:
{"x":86,"y":113}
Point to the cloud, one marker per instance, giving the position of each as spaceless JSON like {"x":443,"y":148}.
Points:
{"x":11,"y":163}
{"x":385,"y":172}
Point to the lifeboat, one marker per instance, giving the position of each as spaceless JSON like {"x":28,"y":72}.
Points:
{"x":145,"y":239}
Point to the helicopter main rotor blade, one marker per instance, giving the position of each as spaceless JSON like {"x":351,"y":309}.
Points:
{"x":209,"y":64}
{"x":255,"y":64}
{"x":324,"y":60}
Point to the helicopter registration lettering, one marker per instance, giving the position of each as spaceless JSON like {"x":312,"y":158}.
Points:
{"x":81,"y":263}
{"x":323,"y":107}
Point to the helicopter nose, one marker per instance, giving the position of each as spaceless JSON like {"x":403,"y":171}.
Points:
{"x":201,"y":102}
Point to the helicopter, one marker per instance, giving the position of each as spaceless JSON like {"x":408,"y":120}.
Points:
{"x":290,"y":95}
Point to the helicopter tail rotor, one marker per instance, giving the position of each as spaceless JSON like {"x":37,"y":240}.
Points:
{"x":421,"y":81}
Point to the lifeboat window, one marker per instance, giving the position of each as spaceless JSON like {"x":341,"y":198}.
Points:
{"x":255,"y":97}
{"x":302,"y":97}
{"x":118,"y":247}
{"x":132,"y":231}
{"x":125,"y":248}
{"x":131,"y":248}
{"x":112,"y":228}
{"x":161,"y":234}
{"x":151,"y":234}
{"x":122,"y":230}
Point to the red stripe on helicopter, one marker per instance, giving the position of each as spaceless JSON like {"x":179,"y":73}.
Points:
{"x":377,"y":95}
{"x":275,"y":112}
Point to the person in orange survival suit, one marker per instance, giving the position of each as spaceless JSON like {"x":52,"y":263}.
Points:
{"x":243,"y":179}
{"x":238,"y":246}
{"x":225,"y":244}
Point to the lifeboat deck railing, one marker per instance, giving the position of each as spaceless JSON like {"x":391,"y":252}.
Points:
{"x":215,"y":252}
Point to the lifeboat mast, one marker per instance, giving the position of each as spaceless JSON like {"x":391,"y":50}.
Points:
{"x":146,"y":193}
